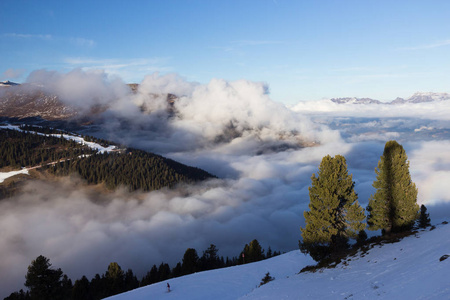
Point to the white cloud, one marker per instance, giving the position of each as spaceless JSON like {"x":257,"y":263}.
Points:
{"x":231,"y":129}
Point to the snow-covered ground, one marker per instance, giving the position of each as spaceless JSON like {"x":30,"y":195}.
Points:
{"x":409,"y":269}
{"x":5,"y":175}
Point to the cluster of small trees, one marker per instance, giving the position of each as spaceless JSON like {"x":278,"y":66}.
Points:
{"x":44,"y":282}
{"x":335,"y":215}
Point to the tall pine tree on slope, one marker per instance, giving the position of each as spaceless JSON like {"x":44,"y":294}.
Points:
{"x":394,"y":206}
{"x":335,"y":214}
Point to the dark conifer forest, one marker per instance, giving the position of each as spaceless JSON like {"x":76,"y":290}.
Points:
{"x":132,"y":168}
{"x":45,"y":282}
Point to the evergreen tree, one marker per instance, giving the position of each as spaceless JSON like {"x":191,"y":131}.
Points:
{"x":20,"y":295}
{"x":269,"y":253}
{"x":266,"y":279}
{"x":115,"y":279}
{"x":335,"y":214}
{"x":177,"y":271}
{"x":424,"y":218}
{"x":190,"y":259}
{"x":97,"y":287}
{"x":252,"y":252}
{"x":164,"y":271}
{"x":130,"y":281}
{"x":393,"y":207}
{"x":43,"y":281}
{"x":81,"y":289}
{"x":209,"y":259}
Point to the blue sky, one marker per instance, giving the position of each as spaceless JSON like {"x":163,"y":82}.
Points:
{"x":304,"y":50}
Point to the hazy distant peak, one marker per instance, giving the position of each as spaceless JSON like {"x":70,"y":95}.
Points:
{"x":418,"y":97}
{"x":8,"y":83}
{"x":353,"y":100}
{"x":428,"y":97}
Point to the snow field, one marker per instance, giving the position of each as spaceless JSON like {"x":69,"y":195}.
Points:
{"x":409,"y":269}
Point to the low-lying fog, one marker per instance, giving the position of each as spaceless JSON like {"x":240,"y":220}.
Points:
{"x":263,"y":152}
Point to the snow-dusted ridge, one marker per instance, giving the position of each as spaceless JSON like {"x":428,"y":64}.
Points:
{"x":418,"y":97}
{"x":409,"y":269}
{"x":78,"y":139}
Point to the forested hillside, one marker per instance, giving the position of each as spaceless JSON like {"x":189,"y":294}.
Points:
{"x":22,"y":149}
{"x":135,"y":169}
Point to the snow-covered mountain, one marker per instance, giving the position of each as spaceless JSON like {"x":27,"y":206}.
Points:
{"x":353,"y":100}
{"x":418,"y":97}
{"x":7,"y":83}
{"x":421,"y":97}
{"x":414,"y":268}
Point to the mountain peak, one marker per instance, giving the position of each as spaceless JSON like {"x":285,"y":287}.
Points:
{"x":419,"y":97}
{"x":8,"y":83}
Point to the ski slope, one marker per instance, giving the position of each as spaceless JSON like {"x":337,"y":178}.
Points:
{"x":409,"y":269}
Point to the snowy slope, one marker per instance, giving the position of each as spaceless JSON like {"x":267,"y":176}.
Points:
{"x":5,"y":175}
{"x":229,"y":283}
{"x":409,"y":269}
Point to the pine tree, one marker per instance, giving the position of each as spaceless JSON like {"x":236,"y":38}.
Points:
{"x":424,"y":218}
{"x":266,"y":279}
{"x":393,"y":207}
{"x":209,"y":259}
{"x":190,"y":260}
{"x":43,"y":281}
{"x":81,"y":289}
{"x":114,"y":279}
{"x":164,"y":271}
{"x":335,"y":214}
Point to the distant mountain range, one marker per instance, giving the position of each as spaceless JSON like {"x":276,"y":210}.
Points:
{"x":419,"y":97}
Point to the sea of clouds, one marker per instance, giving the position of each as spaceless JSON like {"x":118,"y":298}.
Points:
{"x":262,"y":152}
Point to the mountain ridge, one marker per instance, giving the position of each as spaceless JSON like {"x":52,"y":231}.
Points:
{"x":418,"y":97}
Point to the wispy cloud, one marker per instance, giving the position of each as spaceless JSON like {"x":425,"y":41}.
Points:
{"x":255,"y":42}
{"x":112,"y":63}
{"x":128,"y":69}
{"x":77,"y":41}
{"x":29,"y":36}
{"x":429,"y":46}
{"x":82,"y":42}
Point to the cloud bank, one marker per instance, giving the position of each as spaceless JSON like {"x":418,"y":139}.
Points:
{"x":263,"y":152}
